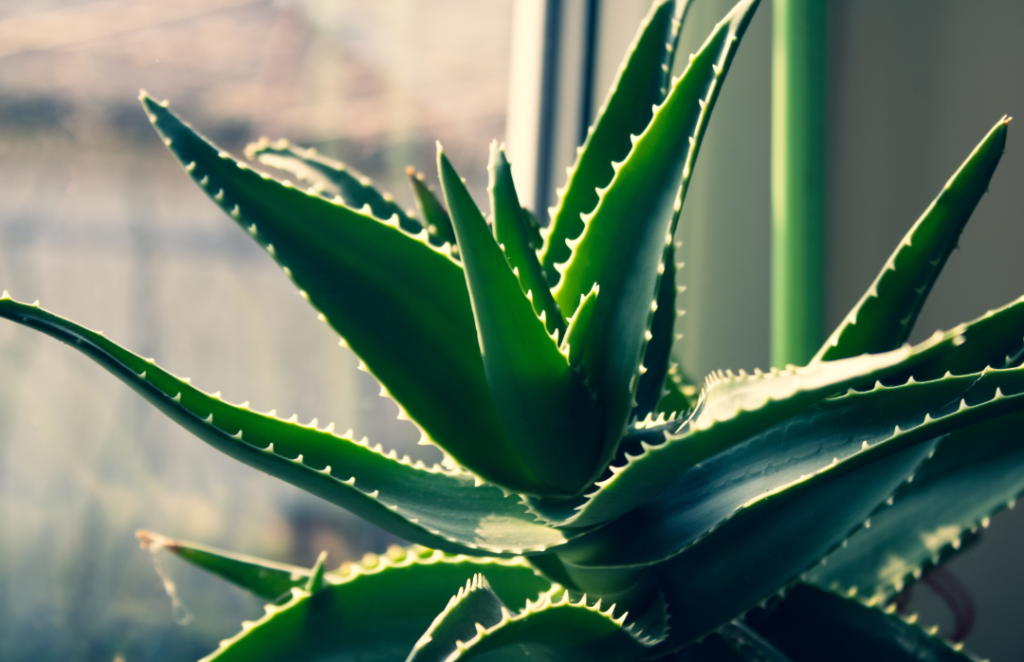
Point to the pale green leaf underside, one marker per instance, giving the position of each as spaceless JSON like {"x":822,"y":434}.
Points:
{"x":730,"y":410}
{"x":811,"y":625}
{"x":828,"y":434}
{"x":976,"y":472}
{"x":626,"y":111}
{"x":546,"y":412}
{"x":355,"y":268}
{"x":777,"y":537}
{"x":331,"y":178}
{"x":625,"y":237}
{"x":430,"y":506}
{"x":373,"y":613}
{"x":471,"y":610}
{"x":885,"y":315}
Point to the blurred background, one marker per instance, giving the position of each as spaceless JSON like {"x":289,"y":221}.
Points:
{"x":98,"y":222}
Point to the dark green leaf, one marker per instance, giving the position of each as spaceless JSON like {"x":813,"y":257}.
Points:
{"x":810,"y":625}
{"x":624,"y":239}
{"x":316,"y":577}
{"x":658,"y":354}
{"x":734,"y":642}
{"x":439,"y":224}
{"x":977,"y":471}
{"x":512,"y":232}
{"x":885,"y":315}
{"x":626,"y":111}
{"x":774,"y":538}
{"x":546,"y":411}
{"x":428,"y":505}
{"x":375,"y":612}
{"x":372,"y":282}
{"x":470,"y":611}
{"x":267,"y":579}
{"x":576,"y":335}
{"x":331,"y":178}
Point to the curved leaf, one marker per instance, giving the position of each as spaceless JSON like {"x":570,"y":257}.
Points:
{"x":658,"y":355}
{"x":267,"y":579}
{"x":976,"y":472}
{"x":512,"y":232}
{"x":436,"y":218}
{"x":470,"y":611}
{"x":775,"y":538}
{"x":810,"y":625}
{"x":836,"y":430}
{"x":624,"y":239}
{"x":559,"y":630}
{"x":885,"y":315}
{"x":547,"y":413}
{"x":428,"y":505}
{"x":731,"y":409}
{"x":627,"y":110}
{"x":734,"y":642}
{"x":372,"y":282}
{"x":576,"y":334}
{"x":376,"y":611}
{"x":331,"y":178}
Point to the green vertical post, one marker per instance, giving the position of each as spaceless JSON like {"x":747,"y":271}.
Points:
{"x":798,"y":182}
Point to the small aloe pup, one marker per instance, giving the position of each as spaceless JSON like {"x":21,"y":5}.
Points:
{"x":592,"y":505}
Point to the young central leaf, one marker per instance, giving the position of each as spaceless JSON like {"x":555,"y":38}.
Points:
{"x":546,"y":411}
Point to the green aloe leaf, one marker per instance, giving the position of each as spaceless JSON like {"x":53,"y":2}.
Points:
{"x":533,"y":226}
{"x":976,"y":472}
{"x":734,"y":642}
{"x":679,"y":395}
{"x":810,"y":625}
{"x":377,"y":611}
{"x":885,"y":315}
{"x":512,"y":232}
{"x":316,"y":576}
{"x":331,"y":178}
{"x":436,"y":218}
{"x":547,"y":412}
{"x":576,"y":335}
{"x":428,"y":505}
{"x":624,"y":240}
{"x":995,"y":339}
{"x":775,"y":538}
{"x":372,"y":282}
{"x":731,"y":409}
{"x":658,"y":355}
{"x":828,"y":434}
{"x":267,"y":579}
{"x":470,"y":611}
{"x":627,"y":110}
{"x":557,"y":629}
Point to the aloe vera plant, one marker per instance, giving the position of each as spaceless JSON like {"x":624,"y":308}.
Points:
{"x":593,"y":505}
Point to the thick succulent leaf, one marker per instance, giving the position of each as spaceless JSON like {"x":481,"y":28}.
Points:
{"x":473,"y":609}
{"x":376,"y":610}
{"x":533,"y":227}
{"x":626,"y":111}
{"x":435,"y":216}
{"x":267,"y":579}
{"x":734,"y":642}
{"x":976,"y":472}
{"x":576,"y":334}
{"x":331,"y":178}
{"x":316,"y":576}
{"x":658,"y":355}
{"x":679,"y":396}
{"x":559,"y":630}
{"x":731,"y":409}
{"x":624,"y":239}
{"x":885,"y":315}
{"x":810,"y":625}
{"x":712,"y":492}
{"x":372,"y":282}
{"x":427,"y":505}
{"x":775,"y":538}
{"x":995,"y":339}
{"x":542,"y":403}
{"x":512,"y":232}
